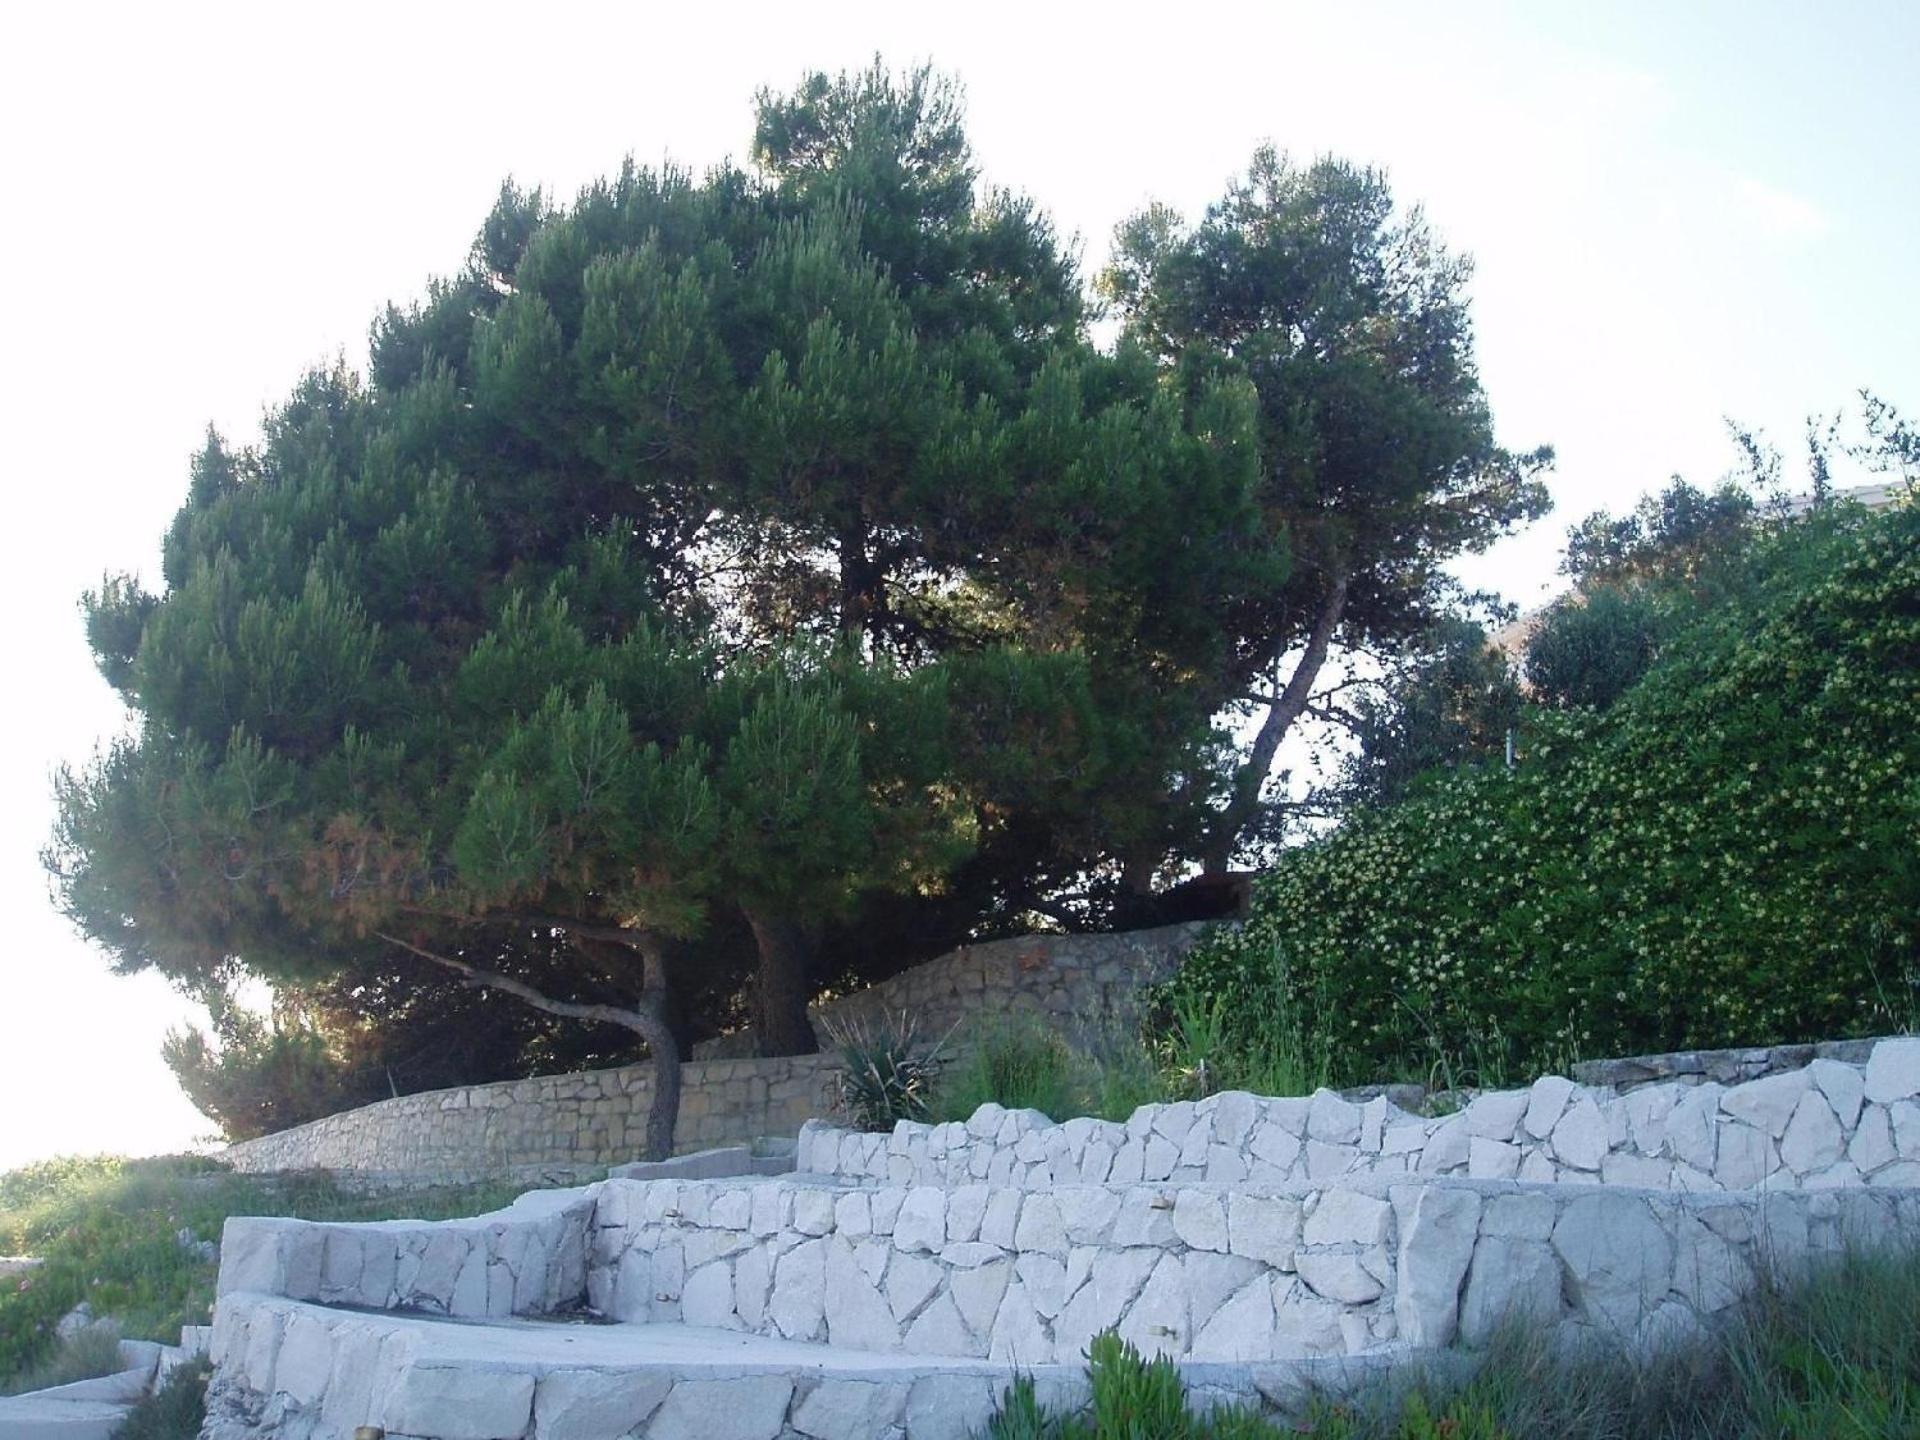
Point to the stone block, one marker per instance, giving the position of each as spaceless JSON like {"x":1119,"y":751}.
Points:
{"x":1510,"y":1279}
{"x":1328,"y":1161}
{"x":1546,"y":1102}
{"x":1448,"y":1148}
{"x":857,"y":1314}
{"x":922,"y":1222}
{"x":977,"y":1292}
{"x":1520,"y":1216}
{"x":834,"y":1409}
{"x":1492,"y":1159}
{"x":1496,"y":1115}
{"x":939,"y":1329}
{"x":1276,"y":1145}
{"x":1241,"y":1328}
{"x":1437,"y":1229}
{"x":1904,"y":1115}
{"x":1333,"y":1119}
{"x":1156,"y":1323}
{"x":1338,"y":1276}
{"x":1767,"y":1104}
{"x":1813,"y":1139}
{"x":796,"y":1306}
{"x":1041,"y":1227}
{"x":1618,"y":1259}
{"x":1872,"y":1145}
{"x":1893,"y":1070}
{"x":1843,"y":1085}
{"x":1693,"y":1127}
{"x":1747,"y":1156}
{"x":1348,"y":1217}
{"x":596,"y":1405}
{"x":1200,"y":1220}
{"x":461,"y":1403}
{"x":745,"y":1407}
{"x":950,"y":1407}
{"x":1580,"y":1136}
{"x":910,"y":1283}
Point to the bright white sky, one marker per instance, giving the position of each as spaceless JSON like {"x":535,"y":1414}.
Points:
{"x":1680,"y":213}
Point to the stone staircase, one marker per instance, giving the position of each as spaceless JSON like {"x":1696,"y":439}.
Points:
{"x":94,"y":1409}
{"x":891,"y":1285}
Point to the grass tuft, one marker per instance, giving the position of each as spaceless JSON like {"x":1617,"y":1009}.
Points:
{"x":122,"y":1235}
{"x":173,"y":1412}
{"x":90,"y":1352}
{"x":1834,"y":1355}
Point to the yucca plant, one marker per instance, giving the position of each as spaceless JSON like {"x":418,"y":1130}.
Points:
{"x":889,"y":1073}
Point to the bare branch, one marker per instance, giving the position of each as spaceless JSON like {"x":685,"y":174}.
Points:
{"x":519,"y":989}
{"x":613,"y":934}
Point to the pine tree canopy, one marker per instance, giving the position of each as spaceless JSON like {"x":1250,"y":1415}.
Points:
{"x":745,"y":550}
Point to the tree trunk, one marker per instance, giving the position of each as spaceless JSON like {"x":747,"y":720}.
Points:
{"x":1282,"y":711}
{"x":663,"y":1110}
{"x":779,"y":1004}
{"x":648,"y":1020}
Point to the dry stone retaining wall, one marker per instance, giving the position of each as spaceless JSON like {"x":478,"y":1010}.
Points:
{"x":1080,"y":985}
{"x":568,"y":1127}
{"x":1828,"y":1124}
{"x":557,"y":1123}
{"x":1204,"y":1272}
{"x":893,"y":1284}
{"x":528,"y":1259}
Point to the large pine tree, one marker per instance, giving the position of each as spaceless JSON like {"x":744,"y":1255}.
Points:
{"x":772,"y":557}
{"x":704,"y":545}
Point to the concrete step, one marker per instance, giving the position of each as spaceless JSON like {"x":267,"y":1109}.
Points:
{"x":34,"y":1417}
{"x":82,"y":1409}
{"x":288,"y":1366}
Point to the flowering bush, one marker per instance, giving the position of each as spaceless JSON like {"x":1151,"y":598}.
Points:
{"x":1729,"y":855}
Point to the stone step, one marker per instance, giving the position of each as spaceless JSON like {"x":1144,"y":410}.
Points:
{"x":34,"y":1417}
{"x":292,"y":1367}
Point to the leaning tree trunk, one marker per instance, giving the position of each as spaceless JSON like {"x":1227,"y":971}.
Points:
{"x":663,"y":1110}
{"x":1243,"y":802}
{"x":648,"y":1019}
{"x":779,"y":1001}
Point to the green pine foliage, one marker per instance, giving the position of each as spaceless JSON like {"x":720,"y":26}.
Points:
{"x":1729,"y":855}
{"x":749,"y":544}
{"x":725,"y":587}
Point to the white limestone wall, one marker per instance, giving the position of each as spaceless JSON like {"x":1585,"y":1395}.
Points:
{"x":1828,"y":1124}
{"x":296,"y":1371}
{"x":894,"y":1283}
{"x":527,"y":1259}
{"x":1203,"y":1271}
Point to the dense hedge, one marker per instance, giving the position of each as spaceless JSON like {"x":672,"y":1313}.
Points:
{"x":1728,"y":855}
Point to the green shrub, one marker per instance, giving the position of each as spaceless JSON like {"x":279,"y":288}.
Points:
{"x":256,"y":1075}
{"x":1263,"y":1040}
{"x":173,"y":1412}
{"x":887,"y":1075}
{"x":1016,"y":1063}
{"x":1019,"y":1063}
{"x":1590,"y":649}
{"x":1730,"y":855}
